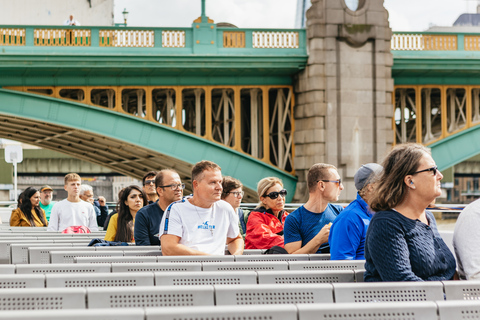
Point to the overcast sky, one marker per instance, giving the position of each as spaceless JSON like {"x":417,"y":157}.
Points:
{"x":404,"y":15}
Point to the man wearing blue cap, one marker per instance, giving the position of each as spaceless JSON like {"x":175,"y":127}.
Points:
{"x":348,"y":231}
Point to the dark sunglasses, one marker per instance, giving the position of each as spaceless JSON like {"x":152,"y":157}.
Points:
{"x":149,"y":182}
{"x":434,"y":169}
{"x":274,"y":195}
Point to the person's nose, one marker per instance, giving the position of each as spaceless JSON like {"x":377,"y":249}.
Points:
{"x":440,"y":175}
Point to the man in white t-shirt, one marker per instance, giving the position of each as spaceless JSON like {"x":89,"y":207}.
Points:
{"x":72,"y":211}
{"x":202,"y":224}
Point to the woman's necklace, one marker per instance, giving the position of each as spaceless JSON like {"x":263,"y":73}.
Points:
{"x":205,"y":224}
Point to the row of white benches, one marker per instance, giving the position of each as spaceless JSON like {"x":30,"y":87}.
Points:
{"x":163,"y":278}
{"x":426,"y":310}
{"x":240,"y":294}
{"x":438,"y":310}
{"x":125,"y":264}
{"x":26,"y":252}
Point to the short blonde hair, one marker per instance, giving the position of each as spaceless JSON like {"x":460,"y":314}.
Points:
{"x":71,"y":177}
{"x":265,"y":184}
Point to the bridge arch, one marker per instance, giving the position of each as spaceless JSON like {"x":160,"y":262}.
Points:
{"x":456,"y":148}
{"x":121,"y":142}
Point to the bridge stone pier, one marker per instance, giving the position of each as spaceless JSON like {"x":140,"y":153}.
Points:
{"x":343,"y":112}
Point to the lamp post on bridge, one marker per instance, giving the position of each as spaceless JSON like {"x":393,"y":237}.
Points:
{"x":14,"y":154}
{"x":125,"y":16}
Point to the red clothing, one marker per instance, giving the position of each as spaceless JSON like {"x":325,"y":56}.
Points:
{"x":264,"y":230}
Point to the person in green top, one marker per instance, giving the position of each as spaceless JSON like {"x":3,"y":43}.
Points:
{"x":46,"y":203}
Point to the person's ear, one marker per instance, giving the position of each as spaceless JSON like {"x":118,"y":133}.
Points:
{"x":409,"y":181}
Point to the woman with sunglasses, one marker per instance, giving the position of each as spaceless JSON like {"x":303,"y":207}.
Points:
{"x":28,"y":213}
{"x":233,"y":194}
{"x":265,"y":223}
{"x":402,"y":242}
{"x":120,"y":227}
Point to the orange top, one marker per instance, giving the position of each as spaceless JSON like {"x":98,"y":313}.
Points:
{"x":18,"y":219}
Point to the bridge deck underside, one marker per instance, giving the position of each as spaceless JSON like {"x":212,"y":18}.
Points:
{"x":124,"y":158}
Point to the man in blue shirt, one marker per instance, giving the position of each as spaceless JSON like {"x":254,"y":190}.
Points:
{"x":169,"y":188}
{"x":306,"y":229}
{"x":348,"y":231}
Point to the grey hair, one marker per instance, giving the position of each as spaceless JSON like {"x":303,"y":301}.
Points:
{"x":85,"y":187}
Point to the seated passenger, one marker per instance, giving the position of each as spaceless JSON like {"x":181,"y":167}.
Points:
{"x":307,"y":228}
{"x":348,"y":231}
{"x":29,"y":213}
{"x":149,"y":186}
{"x":466,"y":238}
{"x":265,"y":223}
{"x":202,"y":224}
{"x":403,"y":243}
{"x":147,"y":224}
{"x":121,"y":224}
{"x":46,"y":203}
{"x":233,"y":194}
{"x":101,"y":210}
{"x":72,"y":211}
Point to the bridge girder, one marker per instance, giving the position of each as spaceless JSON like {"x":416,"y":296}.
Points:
{"x":123,"y":143}
{"x":456,"y":148}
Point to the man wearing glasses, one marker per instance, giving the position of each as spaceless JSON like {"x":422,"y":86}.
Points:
{"x":169,"y":188}
{"x":306,"y":229}
{"x":149,"y":186}
{"x":202,"y":224}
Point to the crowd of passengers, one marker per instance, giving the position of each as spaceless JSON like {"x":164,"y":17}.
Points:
{"x":387,"y":225}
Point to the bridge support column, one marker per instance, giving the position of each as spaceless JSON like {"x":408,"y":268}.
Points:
{"x":343,"y":113}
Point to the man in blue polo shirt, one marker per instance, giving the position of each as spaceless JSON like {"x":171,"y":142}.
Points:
{"x":169,"y":188}
{"x":348,"y":231}
{"x":306,"y":229}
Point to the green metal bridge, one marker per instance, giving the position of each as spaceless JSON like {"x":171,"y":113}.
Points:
{"x":137,"y":99}
{"x":437,"y":93}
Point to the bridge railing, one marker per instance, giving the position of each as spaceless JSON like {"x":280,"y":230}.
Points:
{"x":181,"y":40}
{"x":435,"y":41}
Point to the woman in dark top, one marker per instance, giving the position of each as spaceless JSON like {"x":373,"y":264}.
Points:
{"x":402,"y":242}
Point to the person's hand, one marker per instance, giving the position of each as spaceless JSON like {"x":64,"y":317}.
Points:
{"x":102,"y":201}
{"x":324,"y":233}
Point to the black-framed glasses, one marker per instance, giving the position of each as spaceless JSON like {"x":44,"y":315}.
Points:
{"x":434,"y":169}
{"x":237,"y":194}
{"x":149,"y":182}
{"x":175,"y":186}
{"x":339,"y":181}
{"x":274,"y":195}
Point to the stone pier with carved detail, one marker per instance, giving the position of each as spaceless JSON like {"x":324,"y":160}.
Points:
{"x":343,"y":112}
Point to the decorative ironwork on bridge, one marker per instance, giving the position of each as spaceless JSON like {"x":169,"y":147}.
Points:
{"x":257,"y":120}
{"x":428,"y":113}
